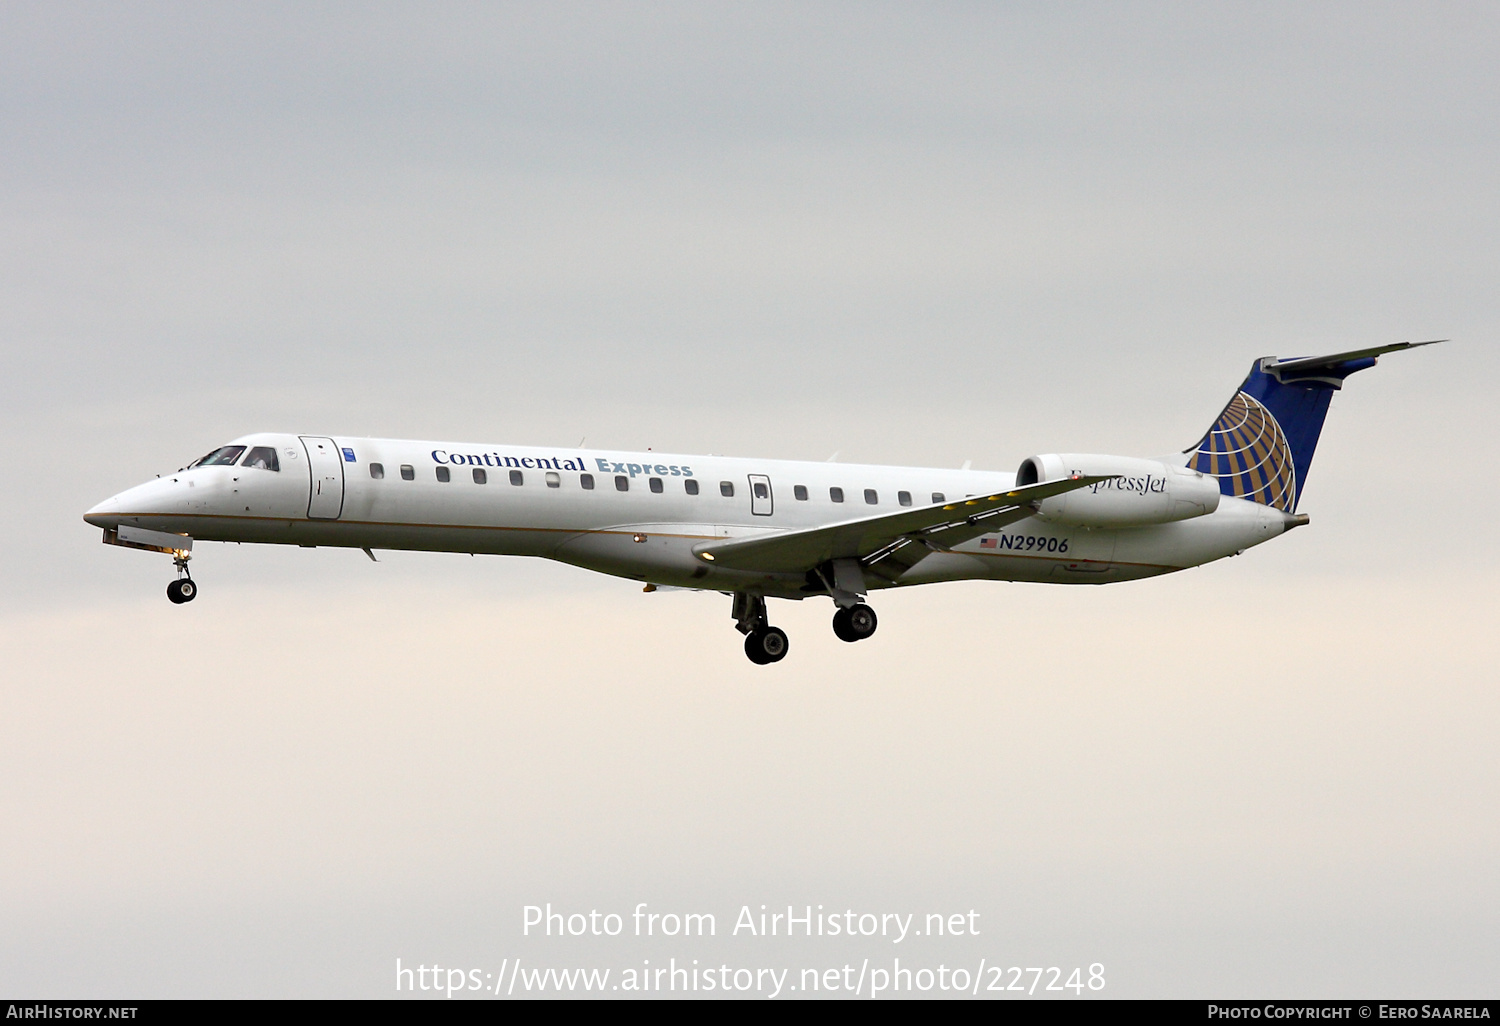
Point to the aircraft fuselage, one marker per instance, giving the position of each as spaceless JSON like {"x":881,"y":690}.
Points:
{"x":640,"y":519}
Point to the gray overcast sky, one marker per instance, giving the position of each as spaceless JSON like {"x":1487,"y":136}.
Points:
{"x":909,"y":233}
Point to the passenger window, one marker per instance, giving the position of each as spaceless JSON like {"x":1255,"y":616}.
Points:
{"x":726,"y":489}
{"x":622,"y":483}
{"x":586,"y":482}
{"x":554,"y":479}
{"x":691,"y":486}
{"x":938,"y":497}
{"x":262,"y":457}
{"x":761,"y":491}
{"x":407,"y":473}
{"x":481,"y":476}
{"x":219,"y":457}
{"x":442,"y":474}
{"x":516,"y":477}
{"x":836,"y":494}
{"x":904,"y":498}
{"x":377,"y":471}
{"x":799,"y":492}
{"x":871,"y":497}
{"x":655,"y":484}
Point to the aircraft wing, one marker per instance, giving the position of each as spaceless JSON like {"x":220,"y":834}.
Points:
{"x":891,"y":543}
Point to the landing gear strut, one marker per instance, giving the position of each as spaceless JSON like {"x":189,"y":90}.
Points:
{"x":763,"y":643}
{"x":855,"y":623}
{"x":183,"y":589}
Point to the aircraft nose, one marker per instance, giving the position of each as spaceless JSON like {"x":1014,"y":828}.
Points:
{"x":106,"y":514}
{"x":132,"y":502}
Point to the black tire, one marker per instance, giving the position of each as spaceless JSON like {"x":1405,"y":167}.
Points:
{"x":187,"y":589}
{"x":753,"y":650}
{"x":767,"y":645}
{"x":174,"y":593}
{"x":862,"y":622}
{"x":841,"y":628}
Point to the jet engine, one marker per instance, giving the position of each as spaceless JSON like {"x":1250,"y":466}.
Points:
{"x":1145,"y":492}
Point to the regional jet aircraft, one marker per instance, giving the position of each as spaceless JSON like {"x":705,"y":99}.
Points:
{"x":755,"y":529}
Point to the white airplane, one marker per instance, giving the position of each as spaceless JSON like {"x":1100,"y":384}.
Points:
{"x":756,"y":529}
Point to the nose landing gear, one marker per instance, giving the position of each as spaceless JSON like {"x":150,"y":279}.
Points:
{"x":183,"y":589}
{"x":855,"y":623}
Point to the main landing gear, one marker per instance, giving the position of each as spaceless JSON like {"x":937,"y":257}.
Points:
{"x":763,"y":643}
{"x":183,"y":589}
{"x":855,"y":623}
{"x":766,"y":644}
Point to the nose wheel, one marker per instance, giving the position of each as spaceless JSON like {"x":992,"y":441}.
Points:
{"x":183,"y":589}
{"x":855,"y":623}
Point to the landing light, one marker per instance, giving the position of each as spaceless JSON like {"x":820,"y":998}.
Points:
{"x":707,"y":555}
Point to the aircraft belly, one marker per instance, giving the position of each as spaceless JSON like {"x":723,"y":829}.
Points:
{"x":663,"y":554}
{"x":498,"y":541}
{"x":342,"y":533}
{"x":946,"y":566}
{"x":1235,"y":526}
{"x":965,"y":566}
{"x":1028,"y":550}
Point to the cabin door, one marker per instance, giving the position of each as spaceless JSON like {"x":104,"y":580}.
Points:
{"x":325,"y":500}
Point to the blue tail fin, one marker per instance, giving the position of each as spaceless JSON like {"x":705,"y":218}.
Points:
{"x":1261,"y":446}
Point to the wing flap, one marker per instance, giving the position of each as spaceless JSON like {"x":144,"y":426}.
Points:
{"x":888,"y":542}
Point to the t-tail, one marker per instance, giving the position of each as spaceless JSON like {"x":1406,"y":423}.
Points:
{"x":1261,"y":446}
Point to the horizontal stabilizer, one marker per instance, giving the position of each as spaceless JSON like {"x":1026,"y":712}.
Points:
{"x":1339,"y":364}
{"x":891,"y":541}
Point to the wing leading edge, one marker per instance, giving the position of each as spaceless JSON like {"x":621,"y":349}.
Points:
{"x":891,"y":543}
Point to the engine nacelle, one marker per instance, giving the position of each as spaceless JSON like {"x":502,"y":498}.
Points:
{"x":1146,"y":492}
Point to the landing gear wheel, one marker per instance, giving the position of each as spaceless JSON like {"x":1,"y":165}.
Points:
{"x":841,"y":625}
{"x":174,"y":593}
{"x":855,"y":623}
{"x":766,"y":645}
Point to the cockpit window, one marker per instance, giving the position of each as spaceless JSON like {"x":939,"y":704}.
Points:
{"x":262,"y":457}
{"x":224,"y":457}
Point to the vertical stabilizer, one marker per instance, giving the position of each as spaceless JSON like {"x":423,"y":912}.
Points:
{"x":1261,"y":446}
